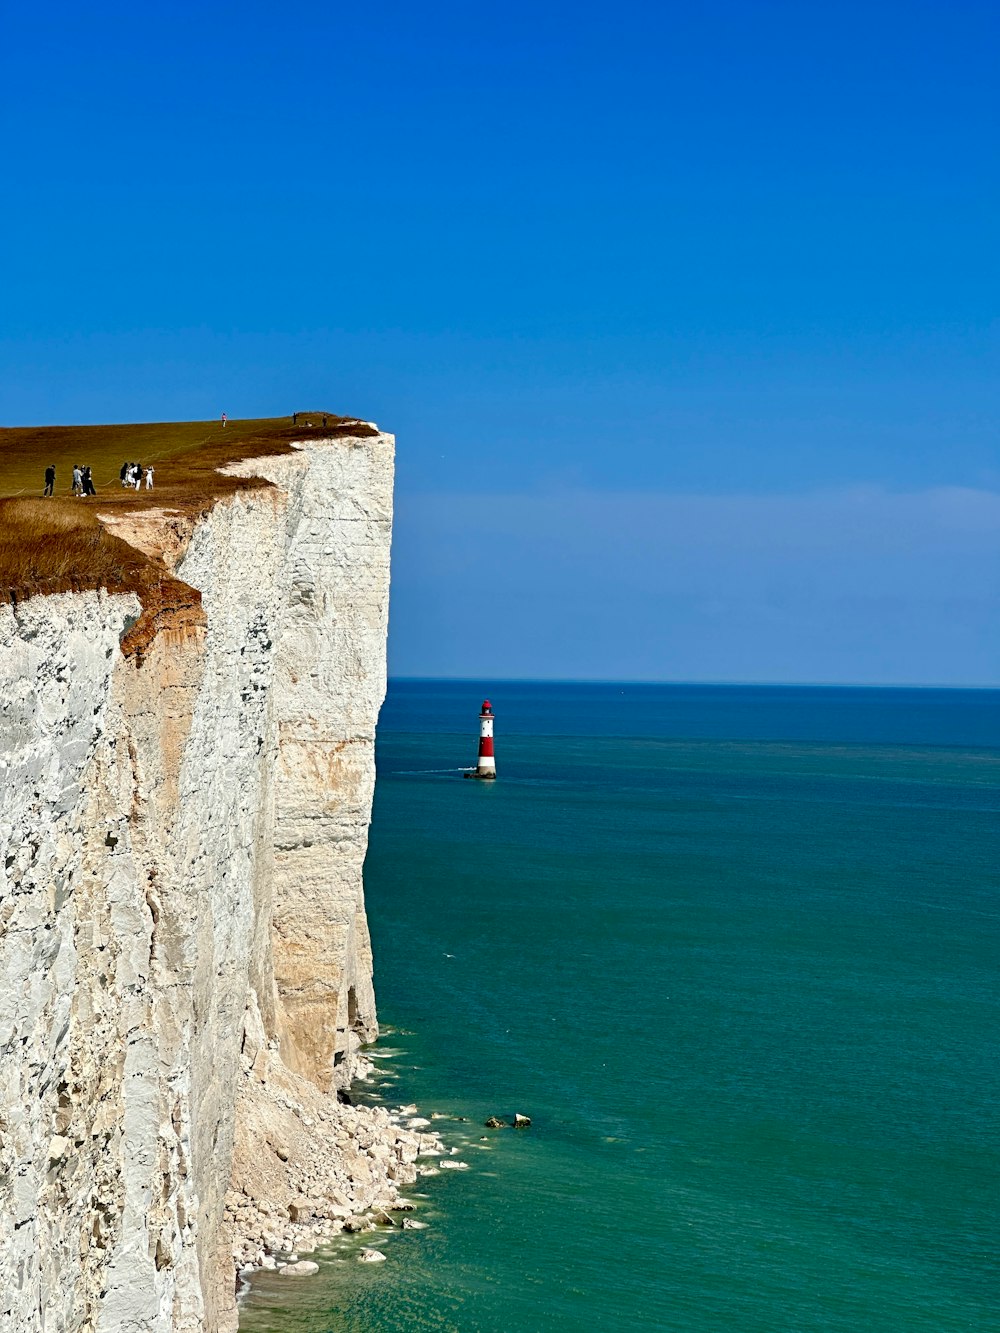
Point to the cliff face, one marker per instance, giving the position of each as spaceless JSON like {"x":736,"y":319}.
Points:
{"x":183,"y":828}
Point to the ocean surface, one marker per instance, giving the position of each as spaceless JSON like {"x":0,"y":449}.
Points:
{"x":735,"y":951}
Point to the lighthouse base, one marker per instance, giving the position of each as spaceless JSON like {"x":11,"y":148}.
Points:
{"x":485,"y":776}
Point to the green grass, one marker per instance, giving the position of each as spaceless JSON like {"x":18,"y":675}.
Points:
{"x":26,"y":451}
{"x":56,"y":544}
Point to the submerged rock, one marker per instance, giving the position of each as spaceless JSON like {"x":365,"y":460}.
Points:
{"x":495,"y":1122}
{"x":371,"y":1257}
{"x":304,"y":1268}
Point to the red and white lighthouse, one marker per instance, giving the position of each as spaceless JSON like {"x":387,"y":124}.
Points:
{"x":486,"y":767}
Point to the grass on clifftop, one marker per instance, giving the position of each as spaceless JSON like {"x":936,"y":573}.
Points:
{"x":26,"y":451}
{"x":56,"y":544}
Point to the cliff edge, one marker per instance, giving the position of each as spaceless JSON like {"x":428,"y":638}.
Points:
{"x":184,"y":953}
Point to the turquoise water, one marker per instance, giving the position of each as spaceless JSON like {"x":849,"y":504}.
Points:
{"x":735,"y":952}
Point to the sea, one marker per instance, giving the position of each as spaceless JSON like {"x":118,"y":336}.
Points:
{"x":735,"y":952}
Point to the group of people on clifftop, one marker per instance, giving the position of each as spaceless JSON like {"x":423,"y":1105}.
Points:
{"x":83,"y":481}
{"x":131,"y":475}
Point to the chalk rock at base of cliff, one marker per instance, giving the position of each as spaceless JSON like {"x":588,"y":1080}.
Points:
{"x":494,"y":1122}
{"x":521,"y":1121}
{"x":303,"y":1268}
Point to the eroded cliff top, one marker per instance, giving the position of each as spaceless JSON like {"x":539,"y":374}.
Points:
{"x":67,"y":543}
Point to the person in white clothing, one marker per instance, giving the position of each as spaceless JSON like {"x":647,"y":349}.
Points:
{"x":149,"y":479}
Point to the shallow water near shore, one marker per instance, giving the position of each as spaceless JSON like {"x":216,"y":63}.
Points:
{"x":735,"y":951}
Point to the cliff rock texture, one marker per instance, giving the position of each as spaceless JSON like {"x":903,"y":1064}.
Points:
{"x":183,"y":943}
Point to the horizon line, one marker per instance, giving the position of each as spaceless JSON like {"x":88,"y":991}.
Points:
{"x":702,"y":684}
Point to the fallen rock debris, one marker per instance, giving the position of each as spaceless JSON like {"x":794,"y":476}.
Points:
{"x":309,"y":1167}
{"x":304,"y":1268}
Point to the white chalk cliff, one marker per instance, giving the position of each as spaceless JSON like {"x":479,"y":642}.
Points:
{"x":182,"y":923}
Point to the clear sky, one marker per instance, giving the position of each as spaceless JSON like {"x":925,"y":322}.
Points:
{"x":685,"y":315}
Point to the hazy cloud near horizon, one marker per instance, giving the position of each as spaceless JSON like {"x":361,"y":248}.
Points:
{"x":852,"y":585}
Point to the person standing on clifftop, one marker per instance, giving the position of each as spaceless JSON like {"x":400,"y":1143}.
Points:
{"x":149,"y":478}
{"x":50,"y":479}
{"x":77,"y":479}
{"x":223,"y":418}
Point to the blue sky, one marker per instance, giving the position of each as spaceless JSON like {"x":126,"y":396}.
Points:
{"x":684,"y":315}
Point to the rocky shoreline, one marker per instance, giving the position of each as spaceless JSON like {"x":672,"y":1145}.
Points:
{"x":313,"y":1166}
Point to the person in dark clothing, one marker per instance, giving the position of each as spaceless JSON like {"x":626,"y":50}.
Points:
{"x":324,"y":421}
{"x":123,"y":474}
{"x":50,"y":479}
{"x":88,"y":482}
{"x":295,"y":418}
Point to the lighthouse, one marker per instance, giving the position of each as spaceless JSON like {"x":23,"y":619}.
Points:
{"x":486,"y":766}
